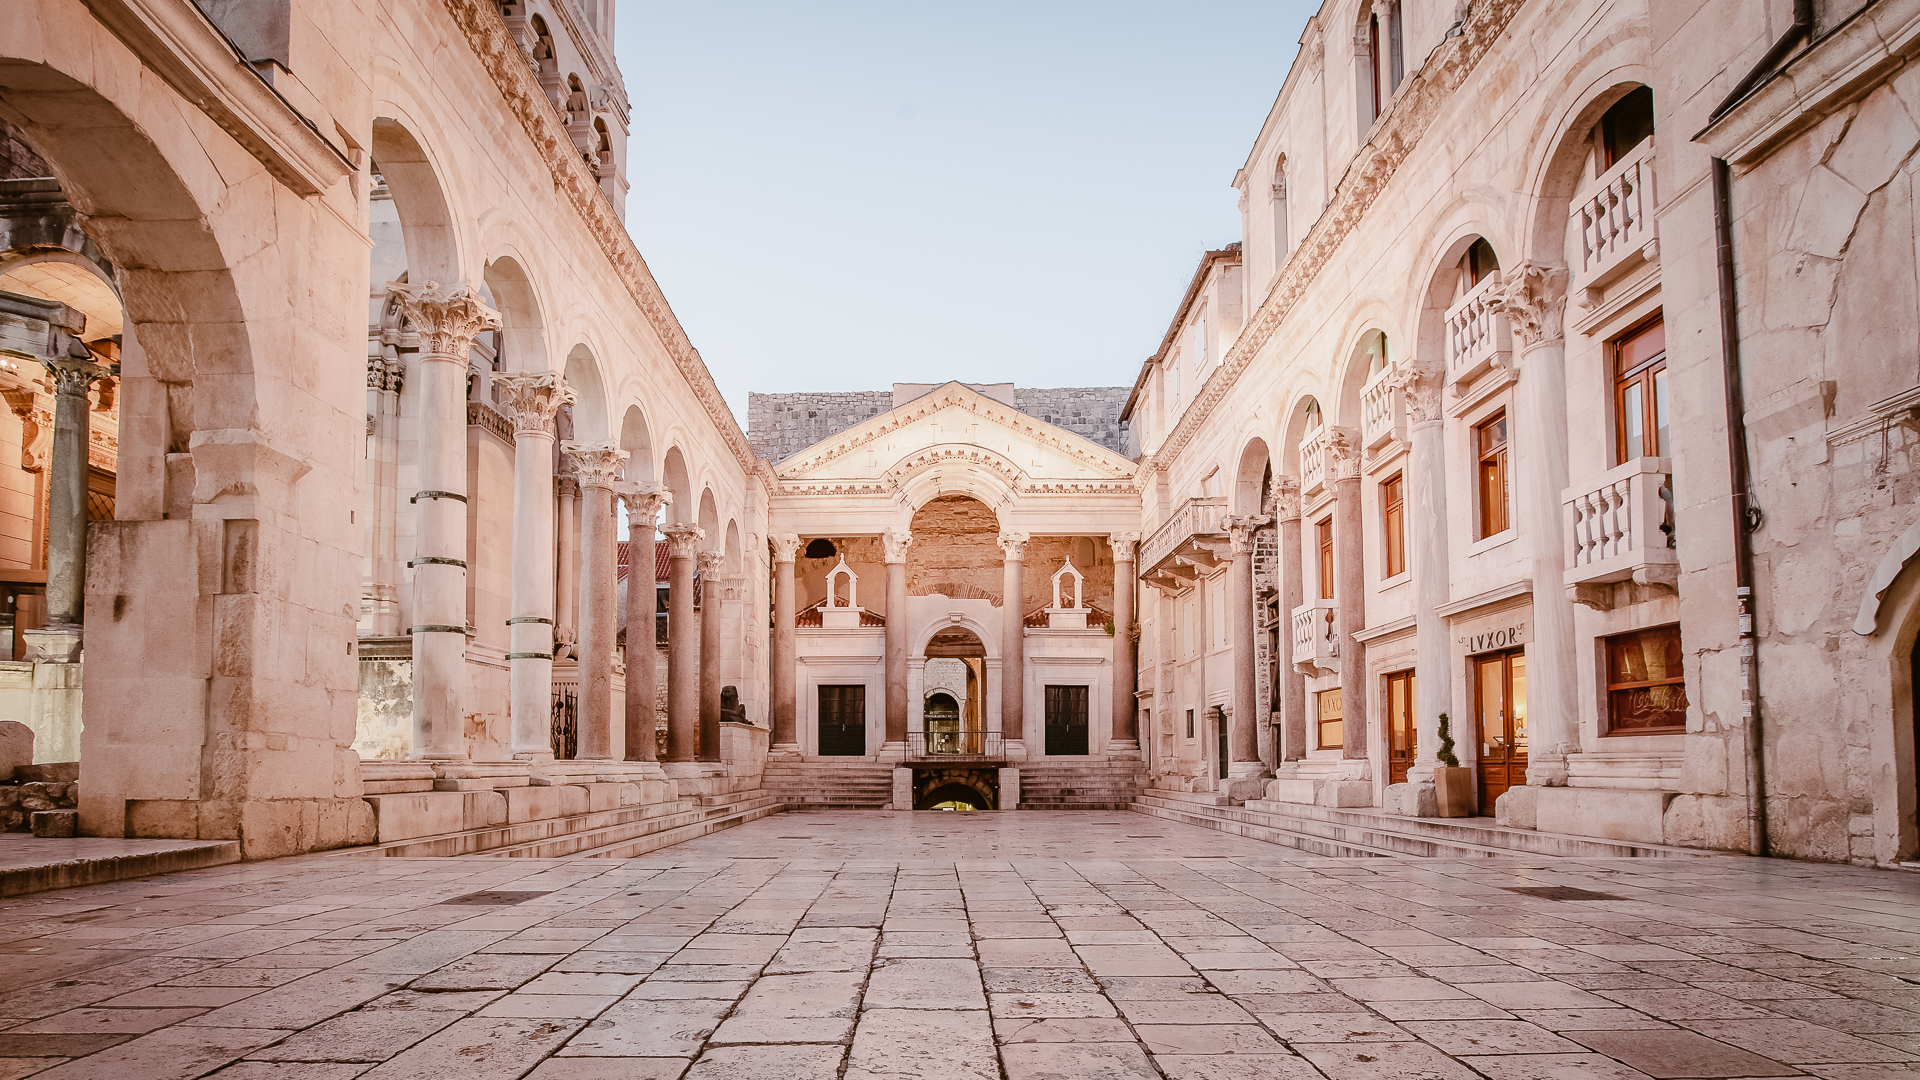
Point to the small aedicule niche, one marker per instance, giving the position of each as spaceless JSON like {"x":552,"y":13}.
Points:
{"x":841,"y":610}
{"x":1067,"y":612}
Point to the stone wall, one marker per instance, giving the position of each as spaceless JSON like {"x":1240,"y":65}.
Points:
{"x":18,"y":161}
{"x":781,"y":425}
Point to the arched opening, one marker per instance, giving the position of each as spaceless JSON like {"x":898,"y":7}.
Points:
{"x":673,"y":474}
{"x":966,"y":561}
{"x":953,"y":717}
{"x":1279,"y":211}
{"x":521,"y":342}
{"x":589,"y":410}
{"x":954,"y":796}
{"x":1377,"y":58}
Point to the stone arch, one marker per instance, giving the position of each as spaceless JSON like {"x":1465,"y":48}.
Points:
{"x":955,"y":785}
{"x":522,"y":335}
{"x":1563,"y":134}
{"x":733,"y":549}
{"x":1304,"y":414}
{"x":956,"y":547}
{"x":709,"y":518}
{"x":427,"y":228}
{"x":956,"y":470}
{"x":1440,"y":289}
{"x":1889,"y":629}
{"x":636,"y":438}
{"x":1252,"y":478}
{"x":590,"y":407}
{"x":673,"y":474}
{"x":1370,"y":345}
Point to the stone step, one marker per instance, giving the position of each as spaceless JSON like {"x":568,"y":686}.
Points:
{"x":596,"y":841}
{"x":488,"y":838}
{"x":30,"y":864}
{"x":750,"y":810}
{"x":1210,"y":818}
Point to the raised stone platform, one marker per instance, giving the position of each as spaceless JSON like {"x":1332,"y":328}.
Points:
{"x":35,"y":864}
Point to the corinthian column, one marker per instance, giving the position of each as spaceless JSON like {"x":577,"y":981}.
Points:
{"x":1534,"y":299}
{"x":1350,"y":585}
{"x":599,"y":466}
{"x":73,"y":377}
{"x":895,"y":543}
{"x":448,"y":318}
{"x":1013,"y":645}
{"x":1293,"y":684}
{"x":1243,"y":737}
{"x":643,"y":504}
{"x":532,"y":399}
{"x":380,"y":599}
{"x":785,"y":706}
{"x":1419,"y":387}
{"x":1124,"y":739}
{"x":683,"y":671}
{"x":711,"y":600}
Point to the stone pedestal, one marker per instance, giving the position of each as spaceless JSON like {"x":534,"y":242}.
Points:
{"x":52,"y":645}
{"x":902,"y":790}
{"x":1009,"y":789}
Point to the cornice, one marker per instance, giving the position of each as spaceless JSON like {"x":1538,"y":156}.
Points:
{"x":956,"y":396}
{"x":487,"y":34}
{"x":1413,"y":111}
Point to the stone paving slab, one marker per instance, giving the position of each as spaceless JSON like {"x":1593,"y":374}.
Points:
{"x":1029,"y":946}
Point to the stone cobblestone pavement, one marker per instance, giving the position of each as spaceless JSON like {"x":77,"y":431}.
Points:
{"x":1028,"y":946}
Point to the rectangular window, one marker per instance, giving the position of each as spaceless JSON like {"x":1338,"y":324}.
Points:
{"x":1490,"y":445}
{"x":1329,"y":730}
{"x":1394,"y":519}
{"x":1198,"y":343}
{"x":1400,"y":726}
{"x":1325,"y":531}
{"x":1640,"y":403}
{"x":1646,"y":688}
{"x":1189,"y":723}
{"x":1173,"y":394}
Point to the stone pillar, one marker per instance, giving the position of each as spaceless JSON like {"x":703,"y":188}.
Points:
{"x":1352,"y":786}
{"x":1534,"y":298}
{"x":599,"y":466}
{"x":380,"y":595}
{"x":532,"y":399}
{"x":711,"y":591}
{"x":567,"y":620}
{"x":1293,"y":588}
{"x":895,"y":543}
{"x":1243,"y":733}
{"x":1124,"y":739}
{"x":1419,"y":387}
{"x":683,"y":673}
{"x":643,"y":504}
{"x":1013,"y":645}
{"x":448,"y":318}
{"x":784,"y":712}
{"x":72,"y":377}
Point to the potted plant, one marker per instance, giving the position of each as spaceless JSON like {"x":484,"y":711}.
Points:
{"x":1452,"y":782}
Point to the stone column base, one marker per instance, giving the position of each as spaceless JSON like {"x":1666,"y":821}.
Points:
{"x":480,"y":775}
{"x":52,"y":645}
{"x":893,"y":751}
{"x":1123,"y":749}
{"x":786,"y":751}
{"x":1240,"y":789}
{"x":1343,"y":794}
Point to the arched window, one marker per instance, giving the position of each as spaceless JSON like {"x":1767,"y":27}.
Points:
{"x":1313,"y":414}
{"x":1624,"y":126}
{"x":1378,"y":59}
{"x":1280,"y":239}
{"x":542,"y":43}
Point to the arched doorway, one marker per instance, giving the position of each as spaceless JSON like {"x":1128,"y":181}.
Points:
{"x":953,"y":716}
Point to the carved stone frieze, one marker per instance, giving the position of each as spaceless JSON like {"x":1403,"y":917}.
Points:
{"x":595,"y":464}
{"x":1534,"y":299}
{"x":533,"y":399}
{"x":447,"y":317}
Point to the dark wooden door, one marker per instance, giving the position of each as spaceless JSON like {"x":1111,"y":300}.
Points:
{"x":843,"y":721}
{"x":1221,"y":757}
{"x":1066,"y":720}
{"x":1400,"y":726}
{"x":1500,"y":684}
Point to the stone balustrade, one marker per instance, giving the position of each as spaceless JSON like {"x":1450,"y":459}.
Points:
{"x":1614,"y":219}
{"x":1477,"y":333}
{"x":1195,"y":517}
{"x":1316,"y":637}
{"x":1313,"y":461}
{"x":1620,"y":526}
{"x":1383,"y":412}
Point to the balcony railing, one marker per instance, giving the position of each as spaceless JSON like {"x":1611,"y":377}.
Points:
{"x":1383,"y":413}
{"x":1477,"y":334}
{"x":1620,"y":526}
{"x":1614,"y":218}
{"x":1195,"y":517}
{"x":1316,"y":637}
{"x":964,"y":744}
{"x":1313,"y":461}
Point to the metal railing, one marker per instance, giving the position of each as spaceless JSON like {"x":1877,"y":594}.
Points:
{"x":954,"y":745}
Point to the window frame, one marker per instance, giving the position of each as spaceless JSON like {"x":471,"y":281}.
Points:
{"x":1323,"y":534}
{"x":1411,"y":725}
{"x":1610,"y":729}
{"x":1641,"y":375}
{"x":1492,"y":517}
{"x":1393,"y":526}
{"x":1321,"y":722}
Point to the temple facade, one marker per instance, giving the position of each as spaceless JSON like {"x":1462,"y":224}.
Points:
{"x":1537,"y":458}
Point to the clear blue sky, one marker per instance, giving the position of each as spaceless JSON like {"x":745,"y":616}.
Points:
{"x":840,"y":194}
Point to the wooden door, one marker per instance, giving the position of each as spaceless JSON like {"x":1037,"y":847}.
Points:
{"x":1221,"y":758}
{"x":1066,"y":720}
{"x":1400,"y":726}
{"x":843,"y":721}
{"x":1500,"y":684}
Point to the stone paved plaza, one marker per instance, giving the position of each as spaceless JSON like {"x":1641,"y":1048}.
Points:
{"x":1029,"y":946}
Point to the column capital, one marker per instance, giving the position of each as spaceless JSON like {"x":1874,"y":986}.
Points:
{"x":1419,"y":387}
{"x":1286,"y":498}
{"x":1343,"y":453}
{"x":711,"y":563}
{"x":1122,"y":545}
{"x":682,"y":539}
{"x":1533,"y":297}
{"x":533,"y":399}
{"x":895,"y":542}
{"x":596,"y":464}
{"x":1014,"y":544}
{"x":643,"y":501}
{"x":785,"y":546}
{"x":74,"y":376}
{"x":1240,"y":532}
{"x":447,"y":317}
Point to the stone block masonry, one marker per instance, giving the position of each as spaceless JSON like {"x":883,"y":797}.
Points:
{"x":781,"y":425}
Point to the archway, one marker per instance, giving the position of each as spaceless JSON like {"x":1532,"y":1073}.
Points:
{"x":953,"y":716}
{"x":956,"y":550}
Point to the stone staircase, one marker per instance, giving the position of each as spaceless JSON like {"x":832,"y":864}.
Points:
{"x":1369,"y":832}
{"x":1080,"y":785}
{"x":830,"y":785}
{"x":613,"y":833}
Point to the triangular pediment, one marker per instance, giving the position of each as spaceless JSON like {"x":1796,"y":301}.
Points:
{"x":956,"y":425}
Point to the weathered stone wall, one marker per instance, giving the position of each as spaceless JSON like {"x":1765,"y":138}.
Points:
{"x":17,"y":159}
{"x":956,"y":543}
{"x":781,"y":425}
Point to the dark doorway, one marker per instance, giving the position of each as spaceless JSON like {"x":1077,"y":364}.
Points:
{"x":1221,"y":757}
{"x":1500,"y":687}
{"x":1066,"y":720}
{"x":843,"y":721}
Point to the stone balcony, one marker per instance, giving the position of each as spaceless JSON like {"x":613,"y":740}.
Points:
{"x":1383,"y":412}
{"x":1620,"y":528}
{"x":1313,"y":461}
{"x":1614,"y":219}
{"x":1190,"y":543}
{"x":1316,"y":637}
{"x":1478,"y":338}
